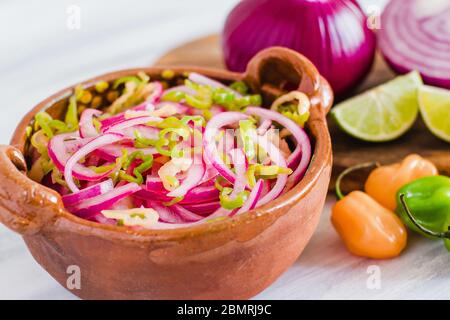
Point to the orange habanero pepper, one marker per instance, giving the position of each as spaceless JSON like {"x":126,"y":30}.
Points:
{"x":367,"y":228}
{"x":384,"y":182}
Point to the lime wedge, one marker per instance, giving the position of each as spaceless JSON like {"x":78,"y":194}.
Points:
{"x":435,"y":110}
{"x":382,"y":113}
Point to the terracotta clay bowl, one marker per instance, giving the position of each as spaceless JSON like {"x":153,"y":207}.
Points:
{"x":234,"y":258}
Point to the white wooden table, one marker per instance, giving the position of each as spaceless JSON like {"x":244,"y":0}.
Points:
{"x":42,"y":50}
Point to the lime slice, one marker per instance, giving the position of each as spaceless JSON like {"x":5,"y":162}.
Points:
{"x":382,"y":113}
{"x":435,"y":110}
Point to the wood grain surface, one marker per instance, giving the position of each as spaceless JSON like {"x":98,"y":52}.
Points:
{"x":347,"y":151}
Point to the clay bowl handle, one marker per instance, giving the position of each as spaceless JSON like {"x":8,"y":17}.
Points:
{"x":277,"y":70}
{"x":25,"y":206}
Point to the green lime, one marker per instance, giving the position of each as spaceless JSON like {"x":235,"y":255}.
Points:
{"x":435,"y":110}
{"x":382,"y":113}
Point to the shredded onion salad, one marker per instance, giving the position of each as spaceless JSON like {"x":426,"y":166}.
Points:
{"x":175,"y":152}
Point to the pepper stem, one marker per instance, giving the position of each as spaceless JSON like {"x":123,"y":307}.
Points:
{"x":344,"y":173}
{"x":418,"y":225}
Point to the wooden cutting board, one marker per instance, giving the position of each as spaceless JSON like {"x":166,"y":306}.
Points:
{"x":347,"y":151}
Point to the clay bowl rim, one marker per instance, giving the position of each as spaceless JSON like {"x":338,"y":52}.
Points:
{"x":319,"y":160}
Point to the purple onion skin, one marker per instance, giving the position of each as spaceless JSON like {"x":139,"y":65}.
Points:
{"x":333,"y":34}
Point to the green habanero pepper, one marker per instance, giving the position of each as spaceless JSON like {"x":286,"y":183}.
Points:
{"x":424,"y":206}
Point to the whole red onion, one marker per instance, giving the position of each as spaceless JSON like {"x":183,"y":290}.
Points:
{"x":416,"y":36}
{"x":333,"y":34}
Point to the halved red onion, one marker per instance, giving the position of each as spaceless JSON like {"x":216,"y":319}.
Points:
{"x":90,"y":207}
{"x":415,"y":35}
{"x":209,"y":144}
{"x":86,"y":126}
{"x":89,"y":192}
{"x":73,"y":168}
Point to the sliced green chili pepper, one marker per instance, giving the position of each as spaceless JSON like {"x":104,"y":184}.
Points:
{"x":71,"y":118}
{"x":207,"y":114}
{"x":198,"y":121}
{"x":28,"y":131}
{"x":223,"y":97}
{"x":179,"y":153}
{"x":272,"y":170}
{"x":97,"y":124}
{"x":173,"y":201}
{"x":166,"y":144}
{"x":43,"y":120}
{"x":169,"y":122}
{"x":174,"y":133}
{"x":160,"y":147}
{"x":218,"y":183}
{"x":172,"y":181}
{"x":174,"y":96}
{"x":49,"y":125}
{"x":247,"y":130}
{"x":142,"y":142}
{"x":240,"y":87}
{"x":254,"y":100}
{"x":102,"y":169}
{"x":57,"y":176}
{"x":147,"y":162}
{"x":265,"y":172}
{"x":230,"y":204}
{"x":203,"y":99}
{"x":290,"y":110}
{"x":126,"y":79}
{"x":40,"y":146}
{"x":197,"y":102}
{"x":299,"y":119}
